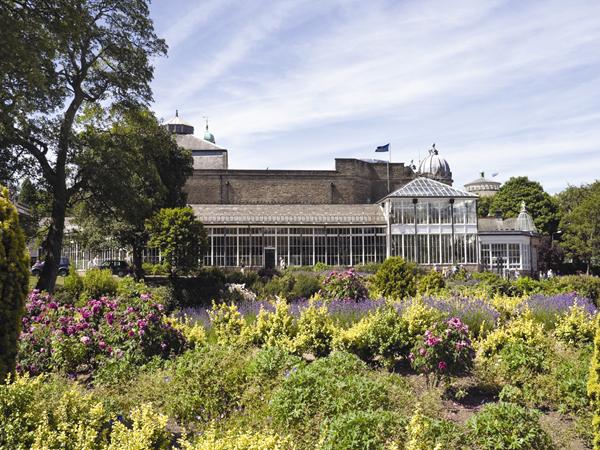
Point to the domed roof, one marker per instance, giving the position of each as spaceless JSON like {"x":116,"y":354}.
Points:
{"x":525,"y":221}
{"x":435,"y":166}
{"x":208,"y":136}
{"x":178,"y":126}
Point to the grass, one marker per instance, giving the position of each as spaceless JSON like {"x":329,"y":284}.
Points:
{"x":33,"y":281}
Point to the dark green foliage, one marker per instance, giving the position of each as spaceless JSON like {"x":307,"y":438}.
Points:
{"x":362,"y":430}
{"x":290,"y":286}
{"x":14,"y":282}
{"x":507,"y":426}
{"x":180,"y":237}
{"x":395,"y":279}
{"x":543,"y":207}
{"x":326,"y":388}
{"x":57,"y":58}
{"x":484,"y":205}
{"x":72,"y":286}
{"x":493,"y":283}
{"x":580,"y":221}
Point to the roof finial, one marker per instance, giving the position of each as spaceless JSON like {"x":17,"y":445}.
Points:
{"x":433,"y":149}
{"x":523,"y":207}
{"x":482,"y":174}
{"x":176,"y":113}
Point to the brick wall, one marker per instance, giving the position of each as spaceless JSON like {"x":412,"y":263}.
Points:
{"x":353,"y":181}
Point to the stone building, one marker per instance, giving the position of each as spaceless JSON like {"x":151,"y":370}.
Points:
{"x":341,"y":217}
{"x":483,"y":187}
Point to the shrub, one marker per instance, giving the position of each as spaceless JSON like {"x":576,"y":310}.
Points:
{"x":148,"y":431}
{"x":98,"y":283}
{"x":155,"y":269}
{"x":14,"y":282}
{"x":72,"y":285}
{"x":79,"y":340}
{"x":420,"y":317}
{"x":205,"y":384}
{"x":127,"y":287}
{"x":271,"y":362}
{"x":506,"y":426}
{"x":513,"y":354}
{"x":382,"y":333}
{"x":44,"y":413}
{"x":315,"y":331}
{"x":362,"y":430}
{"x":279,"y":286}
{"x":431,"y":283}
{"x":347,"y":285}
{"x":587,"y":286}
{"x":275,"y":329}
{"x":492,"y":283}
{"x":328,"y":387}
{"x":305,"y":286}
{"x":575,"y":327}
{"x":593,"y":387}
{"x":395,"y":279}
{"x":240,"y":440}
{"x":426,"y":433}
{"x":527,"y":286}
{"x":444,"y":351}
{"x":228,"y":324}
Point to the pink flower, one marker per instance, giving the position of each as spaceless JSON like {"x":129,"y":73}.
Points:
{"x":442,"y":365}
{"x":85,"y":340}
{"x":110,"y":317}
{"x":422,"y":351}
{"x":102,"y":345}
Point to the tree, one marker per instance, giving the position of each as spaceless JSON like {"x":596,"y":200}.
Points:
{"x":135,"y":169}
{"x":581,"y":224}
{"x":541,"y":205}
{"x":57,"y":57}
{"x":14,"y":282}
{"x":36,"y":199}
{"x":180,"y":237}
{"x":484,"y":205}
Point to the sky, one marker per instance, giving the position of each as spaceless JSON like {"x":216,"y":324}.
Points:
{"x":508,"y":87}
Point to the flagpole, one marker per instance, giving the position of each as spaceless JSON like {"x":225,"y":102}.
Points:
{"x":388,"y":167}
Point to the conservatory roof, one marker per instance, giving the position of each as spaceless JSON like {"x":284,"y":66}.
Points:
{"x":289,"y":214}
{"x":426,"y":187}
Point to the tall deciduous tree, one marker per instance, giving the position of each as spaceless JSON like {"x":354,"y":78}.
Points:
{"x":130,"y":145}
{"x":57,"y":56}
{"x":540,"y":204}
{"x":581,"y":223}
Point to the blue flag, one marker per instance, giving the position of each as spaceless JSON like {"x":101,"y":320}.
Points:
{"x":383,"y":148}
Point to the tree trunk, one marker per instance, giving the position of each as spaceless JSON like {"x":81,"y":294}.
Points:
{"x":138,"y":271}
{"x":53,"y":242}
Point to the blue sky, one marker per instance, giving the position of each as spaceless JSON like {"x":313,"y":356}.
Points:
{"x":500,"y":86}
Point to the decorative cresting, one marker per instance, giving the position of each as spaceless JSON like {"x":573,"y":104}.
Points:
{"x":436,"y":167}
{"x":525,"y":221}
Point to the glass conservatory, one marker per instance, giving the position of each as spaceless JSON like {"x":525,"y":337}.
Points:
{"x":432,"y":223}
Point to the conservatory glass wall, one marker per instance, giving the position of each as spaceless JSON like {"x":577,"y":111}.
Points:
{"x":231,"y":246}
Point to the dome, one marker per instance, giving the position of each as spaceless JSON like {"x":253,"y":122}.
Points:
{"x":178,"y":126}
{"x":208,"y":136}
{"x":434,"y":166}
{"x":525,"y":221}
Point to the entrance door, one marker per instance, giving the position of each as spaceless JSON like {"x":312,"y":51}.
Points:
{"x":269,"y":258}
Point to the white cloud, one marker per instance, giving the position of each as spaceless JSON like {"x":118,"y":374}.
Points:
{"x":515,"y":77}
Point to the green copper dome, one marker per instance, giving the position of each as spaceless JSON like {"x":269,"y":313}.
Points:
{"x":208,"y":136}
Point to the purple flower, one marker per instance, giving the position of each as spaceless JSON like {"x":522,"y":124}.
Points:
{"x":85,"y":340}
{"x":442,"y":365}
